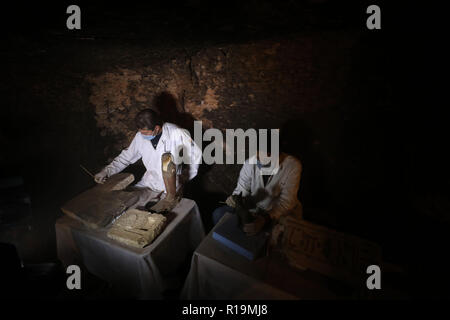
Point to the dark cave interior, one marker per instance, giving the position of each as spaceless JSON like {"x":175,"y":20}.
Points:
{"x":345,"y":96}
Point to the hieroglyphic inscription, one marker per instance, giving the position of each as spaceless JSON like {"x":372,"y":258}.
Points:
{"x":327,"y":251}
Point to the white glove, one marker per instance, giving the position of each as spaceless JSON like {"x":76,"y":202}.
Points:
{"x":230,"y":202}
{"x":101,"y":177}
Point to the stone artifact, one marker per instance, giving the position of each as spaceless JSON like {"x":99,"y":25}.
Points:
{"x":338,"y":255}
{"x":242,"y":210}
{"x":98,"y":206}
{"x":170,"y":181}
{"x":137,"y":228}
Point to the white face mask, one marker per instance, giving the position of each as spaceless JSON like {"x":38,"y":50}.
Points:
{"x":263,"y":161}
{"x":149,"y":138}
{"x":260,"y":165}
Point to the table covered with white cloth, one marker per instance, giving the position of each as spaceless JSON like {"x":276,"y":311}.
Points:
{"x":139,"y":272}
{"x":217,"y":272}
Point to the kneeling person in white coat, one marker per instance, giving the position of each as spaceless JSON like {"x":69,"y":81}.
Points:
{"x":159,"y":145}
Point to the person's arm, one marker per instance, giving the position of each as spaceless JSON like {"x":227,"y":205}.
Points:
{"x":287,"y":199}
{"x":128,"y":156}
{"x":245,"y":180}
{"x":195,"y":154}
{"x":193,"y":157}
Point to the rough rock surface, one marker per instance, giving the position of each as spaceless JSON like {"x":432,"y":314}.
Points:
{"x":261,"y":84}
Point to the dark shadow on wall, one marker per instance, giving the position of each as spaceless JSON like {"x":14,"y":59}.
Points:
{"x":297,"y":139}
{"x":170,"y":110}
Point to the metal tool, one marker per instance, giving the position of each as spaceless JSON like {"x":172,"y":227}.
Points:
{"x":87,"y":171}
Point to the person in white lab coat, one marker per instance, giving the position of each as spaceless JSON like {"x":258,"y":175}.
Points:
{"x":274,"y":196}
{"x":153,"y":139}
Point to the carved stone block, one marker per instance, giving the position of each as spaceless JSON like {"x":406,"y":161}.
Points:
{"x":137,"y":228}
{"x":338,"y":255}
{"x":98,"y":206}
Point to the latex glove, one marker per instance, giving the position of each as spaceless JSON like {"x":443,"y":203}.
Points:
{"x":254,"y":227}
{"x":230,"y":202}
{"x":101,"y":177}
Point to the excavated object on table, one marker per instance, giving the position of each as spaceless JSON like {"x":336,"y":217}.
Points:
{"x":100,"y":205}
{"x":137,"y":228}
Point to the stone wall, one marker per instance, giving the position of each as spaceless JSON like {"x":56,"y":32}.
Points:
{"x":260,"y":84}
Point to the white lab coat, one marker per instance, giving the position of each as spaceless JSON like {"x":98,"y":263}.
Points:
{"x":279,"y":196}
{"x":172,"y":139}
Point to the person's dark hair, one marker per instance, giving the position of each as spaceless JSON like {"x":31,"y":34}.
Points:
{"x":147,"y":118}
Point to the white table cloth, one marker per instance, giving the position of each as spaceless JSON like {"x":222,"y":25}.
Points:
{"x":217,"y":272}
{"x":138,"y":272}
